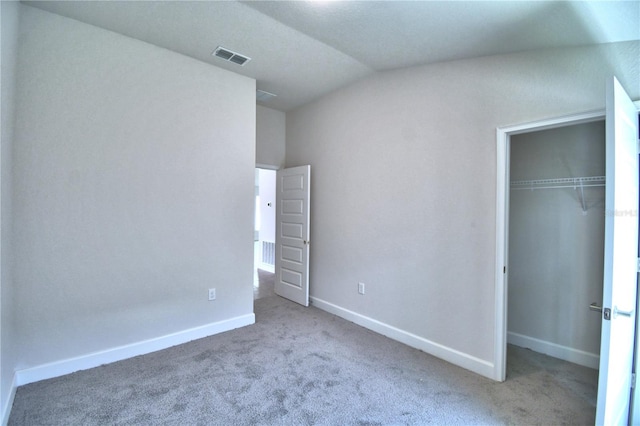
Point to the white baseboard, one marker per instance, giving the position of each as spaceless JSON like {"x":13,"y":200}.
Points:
{"x":566,"y":353}
{"x":267,"y":267}
{"x":67,"y":366}
{"x":478,"y":366}
{"x":6,"y":409}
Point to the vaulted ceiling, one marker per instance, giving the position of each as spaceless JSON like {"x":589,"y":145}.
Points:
{"x":301,"y":50}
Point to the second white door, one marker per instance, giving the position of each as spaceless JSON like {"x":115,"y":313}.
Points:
{"x":292,"y":234}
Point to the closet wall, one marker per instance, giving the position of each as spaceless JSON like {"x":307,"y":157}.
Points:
{"x":555,"y":245}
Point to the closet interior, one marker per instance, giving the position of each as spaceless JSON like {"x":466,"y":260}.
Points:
{"x":556,"y":241}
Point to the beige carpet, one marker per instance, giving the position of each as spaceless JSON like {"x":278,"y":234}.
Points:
{"x":303,"y":366}
{"x":264,"y":284}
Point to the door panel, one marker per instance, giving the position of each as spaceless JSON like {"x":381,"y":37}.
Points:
{"x":292,"y":234}
{"x":621,"y":254}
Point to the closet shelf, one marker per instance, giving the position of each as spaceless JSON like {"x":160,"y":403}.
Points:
{"x":577,"y":183}
{"x":574,"y":182}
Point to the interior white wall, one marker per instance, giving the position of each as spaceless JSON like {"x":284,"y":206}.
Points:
{"x":404,"y":185}
{"x":133,"y":191}
{"x":9,"y":14}
{"x":270,"y":137}
{"x":556,"y":251}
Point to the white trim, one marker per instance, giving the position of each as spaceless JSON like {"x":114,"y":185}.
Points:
{"x":576,"y":356}
{"x":453,"y":356}
{"x":60,"y":368}
{"x":502,"y":242}
{"x":6,"y":410}
{"x":267,"y":166}
{"x":553,"y":123}
{"x":503,"y":137}
{"x":266,"y":267}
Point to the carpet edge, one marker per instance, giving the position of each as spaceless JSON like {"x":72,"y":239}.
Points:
{"x":461,"y":359}
{"x":576,"y":356}
{"x":84,"y":362}
{"x":6,"y":410}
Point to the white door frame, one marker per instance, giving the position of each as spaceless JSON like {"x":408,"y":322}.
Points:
{"x":267,"y":166}
{"x":503,"y":136}
{"x":258,"y":252}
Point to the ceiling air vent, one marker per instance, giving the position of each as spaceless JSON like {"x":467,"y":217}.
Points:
{"x":230,"y":56}
{"x":263,"y":96}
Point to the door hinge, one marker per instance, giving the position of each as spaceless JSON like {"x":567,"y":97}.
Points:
{"x":633,"y":380}
{"x":638,"y":268}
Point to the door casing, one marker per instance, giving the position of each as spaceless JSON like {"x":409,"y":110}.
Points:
{"x":503,"y":139}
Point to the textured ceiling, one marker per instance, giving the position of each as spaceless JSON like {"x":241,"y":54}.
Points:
{"x":301,"y":50}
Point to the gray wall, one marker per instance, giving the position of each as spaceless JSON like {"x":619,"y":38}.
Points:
{"x":133,"y":191}
{"x":404,"y":184}
{"x":270,"y":137}
{"x":9,"y":12}
{"x":556,"y":251}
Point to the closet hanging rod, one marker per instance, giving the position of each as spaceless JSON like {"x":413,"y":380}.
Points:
{"x":575,"y":182}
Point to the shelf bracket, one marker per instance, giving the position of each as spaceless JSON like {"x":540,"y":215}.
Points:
{"x":581,"y":197}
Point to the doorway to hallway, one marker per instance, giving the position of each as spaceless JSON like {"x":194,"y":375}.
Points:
{"x":264,"y":232}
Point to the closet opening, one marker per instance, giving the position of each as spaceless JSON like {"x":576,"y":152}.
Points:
{"x":618,"y":358}
{"x":556,"y":222}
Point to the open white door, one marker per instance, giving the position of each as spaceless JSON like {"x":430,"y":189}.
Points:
{"x":621,"y":258}
{"x":292,"y":234}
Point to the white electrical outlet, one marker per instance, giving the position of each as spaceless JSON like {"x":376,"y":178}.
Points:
{"x":212,"y":294}
{"x":361,"y":288}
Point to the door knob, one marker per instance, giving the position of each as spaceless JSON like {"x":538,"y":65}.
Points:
{"x":594,"y":307}
{"x":617,"y":312}
{"x":607,"y":312}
